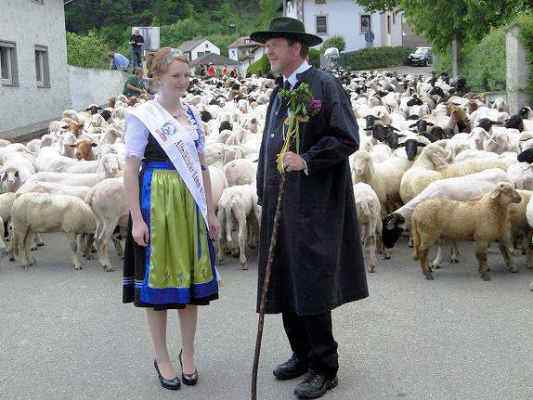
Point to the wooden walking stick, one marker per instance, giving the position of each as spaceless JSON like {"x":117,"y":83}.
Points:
{"x":266,"y":284}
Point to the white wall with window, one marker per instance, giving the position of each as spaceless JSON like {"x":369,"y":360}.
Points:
{"x":204,"y":48}
{"x":327,"y":18}
{"x":34,"y":84}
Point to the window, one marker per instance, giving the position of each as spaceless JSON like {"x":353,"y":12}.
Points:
{"x":321,"y":24}
{"x":199,"y":54}
{"x":388,"y":24}
{"x":38,"y":1}
{"x":365,"y":23}
{"x":394,"y":18}
{"x":42,"y":70}
{"x":320,"y":1}
{"x":8,"y":64}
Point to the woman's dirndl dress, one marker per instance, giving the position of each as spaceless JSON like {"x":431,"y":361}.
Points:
{"x":178,"y":265}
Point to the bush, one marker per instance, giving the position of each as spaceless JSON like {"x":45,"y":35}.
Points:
{"x":260,"y":68}
{"x":314,"y":58}
{"x":334,"y":41}
{"x":90,"y":51}
{"x":375,"y":57}
{"x":525,"y":21}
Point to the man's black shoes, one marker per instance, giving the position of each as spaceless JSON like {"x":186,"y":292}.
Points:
{"x":314,"y":386}
{"x":291,"y":369}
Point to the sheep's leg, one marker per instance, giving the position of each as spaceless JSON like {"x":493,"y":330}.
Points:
{"x":88,"y":244}
{"x":438,"y":258}
{"x":454,"y":252}
{"x":26,"y":248}
{"x":370,"y":249}
{"x":481,"y":255}
{"x":243,"y":231}
{"x":75,"y":246}
{"x":426,"y":269}
{"x":39,"y":240}
{"x":506,"y":253}
{"x":103,"y":253}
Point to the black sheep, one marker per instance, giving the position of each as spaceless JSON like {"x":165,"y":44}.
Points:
{"x":225,"y":125}
{"x":526,"y":156}
{"x":515,"y":122}
{"x":206,"y":116}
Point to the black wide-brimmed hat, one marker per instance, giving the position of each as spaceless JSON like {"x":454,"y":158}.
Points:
{"x":289,"y":28}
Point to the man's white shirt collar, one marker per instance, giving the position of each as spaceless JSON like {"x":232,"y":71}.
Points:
{"x":293,"y":79}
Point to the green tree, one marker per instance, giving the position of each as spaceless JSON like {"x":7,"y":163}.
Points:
{"x":89,"y":51}
{"x":334,"y":41}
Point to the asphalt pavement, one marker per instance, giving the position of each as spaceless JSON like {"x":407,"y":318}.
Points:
{"x":65,"y":334}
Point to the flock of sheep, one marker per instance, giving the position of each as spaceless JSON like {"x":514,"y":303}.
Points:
{"x":447,"y":165}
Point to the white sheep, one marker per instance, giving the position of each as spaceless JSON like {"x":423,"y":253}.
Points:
{"x":109,"y":204}
{"x":237,"y":206}
{"x":47,"y":213}
{"x":369,"y":219}
{"x":240,"y":172}
{"x":484,"y":221}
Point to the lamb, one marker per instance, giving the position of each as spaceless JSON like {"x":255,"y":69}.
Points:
{"x":10,"y":179}
{"x":519,"y":227}
{"x":46,"y":213}
{"x":369,"y":219}
{"x":84,"y":150}
{"x":109,"y":204}
{"x":109,"y":162}
{"x":484,"y":220}
{"x":218,"y":183}
{"x":238,"y":203}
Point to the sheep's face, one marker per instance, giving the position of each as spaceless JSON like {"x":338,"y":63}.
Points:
{"x":111,"y":165}
{"x":361,"y":165}
{"x":506,"y":194}
{"x":11,"y":179}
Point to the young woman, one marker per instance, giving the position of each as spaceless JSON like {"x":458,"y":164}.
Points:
{"x":169,"y":261}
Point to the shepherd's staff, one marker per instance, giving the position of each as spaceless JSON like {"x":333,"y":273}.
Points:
{"x":266,"y":283}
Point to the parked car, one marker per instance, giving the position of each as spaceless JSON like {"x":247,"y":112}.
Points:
{"x":421,"y":56}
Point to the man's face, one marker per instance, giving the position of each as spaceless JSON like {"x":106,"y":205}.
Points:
{"x":136,"y":31}
{"x":280,"y":54}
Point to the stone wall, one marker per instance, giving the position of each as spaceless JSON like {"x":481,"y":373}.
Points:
{"x":88,"y":86}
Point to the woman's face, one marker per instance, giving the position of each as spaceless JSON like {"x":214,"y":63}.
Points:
{"x":175,"y":81}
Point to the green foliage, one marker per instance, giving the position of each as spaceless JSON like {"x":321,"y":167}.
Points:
{"x":484,"y":63}
{"x":375,"y":57}
{"x":441,"y":20}
{"x":525,"y":21}
{"x":89,"y":51}
{"x":260,"y":68}
{"x":334,"y":41}
{"x":314,"y":58}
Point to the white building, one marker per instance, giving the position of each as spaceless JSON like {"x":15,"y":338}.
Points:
{"x":246,"y":52}
{"x":346,"y":18}
{"x":195,"y":48}
{"x":34,"y":84}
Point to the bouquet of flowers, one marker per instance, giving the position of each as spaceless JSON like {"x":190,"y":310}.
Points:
{"x":302,"y":106}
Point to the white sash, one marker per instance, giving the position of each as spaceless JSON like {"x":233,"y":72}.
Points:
{"x":178,"y":146}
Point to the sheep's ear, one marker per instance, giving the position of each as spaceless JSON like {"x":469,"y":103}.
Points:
{"x":494,"y":195}
{"x":421,"y":144}
{"x":16,"y":174}
{"x":71,"y":145}
{"x":94,"y":144}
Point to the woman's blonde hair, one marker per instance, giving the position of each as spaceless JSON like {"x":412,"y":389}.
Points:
{"x":157,"y":63}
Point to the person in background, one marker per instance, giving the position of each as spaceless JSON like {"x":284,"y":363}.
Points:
{"x":135,"y":86}
{"x":233,"y":73}
{"x":118,"y":61}
{"x":211,"y":71}
{"x":137,"y":43}
{"x":225,"y":71}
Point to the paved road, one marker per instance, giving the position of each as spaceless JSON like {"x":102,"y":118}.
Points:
{"x":65,"y":335}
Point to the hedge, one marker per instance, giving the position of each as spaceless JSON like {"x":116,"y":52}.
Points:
{"x":375,"y":57}
{"x":262,"y":66}
{"x":483,"y":64}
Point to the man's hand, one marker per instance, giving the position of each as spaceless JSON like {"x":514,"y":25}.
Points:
{"x":293,"y":162}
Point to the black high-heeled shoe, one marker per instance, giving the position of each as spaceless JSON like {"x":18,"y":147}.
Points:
{"x":188,"y":379}
{"x":170,"y":384}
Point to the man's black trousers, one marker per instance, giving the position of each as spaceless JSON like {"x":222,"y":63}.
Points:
{"x":311,"y":339}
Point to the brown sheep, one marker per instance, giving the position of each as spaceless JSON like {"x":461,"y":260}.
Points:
{"x":483,"y":221}
{"x":84,"y":150}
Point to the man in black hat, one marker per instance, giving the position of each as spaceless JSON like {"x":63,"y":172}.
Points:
{"x":318,"y":263}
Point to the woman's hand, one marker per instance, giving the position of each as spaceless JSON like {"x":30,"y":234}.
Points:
{"x":214,"y":226}
{"x":140,"y":233}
